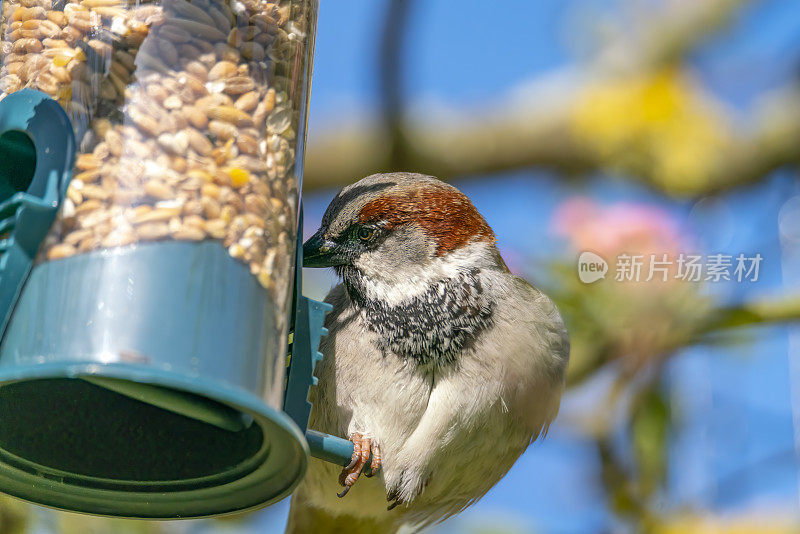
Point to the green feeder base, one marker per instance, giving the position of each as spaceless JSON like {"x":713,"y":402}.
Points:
{"x":132,"y":384}
{"x":96,"y":451}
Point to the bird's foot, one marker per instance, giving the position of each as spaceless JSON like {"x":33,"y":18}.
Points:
{"x":362,"y":447}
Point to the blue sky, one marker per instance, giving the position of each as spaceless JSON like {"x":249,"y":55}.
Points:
{"x":735,"y":440}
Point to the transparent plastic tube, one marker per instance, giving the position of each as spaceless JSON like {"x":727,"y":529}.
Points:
{"x":190,"y":116}
{"x":187,"y":116}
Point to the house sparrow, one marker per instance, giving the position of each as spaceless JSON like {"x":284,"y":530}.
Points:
{"x":439,"y":363}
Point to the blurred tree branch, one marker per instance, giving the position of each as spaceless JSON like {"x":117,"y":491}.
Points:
{"x":759,"y":312}
{"x":780,"y":310}
{"x":558,"y":132}
{"x":461,"y":148}
{"x":671,"y":35}
{"x":390,"y":69}
{"x":487,"y":143}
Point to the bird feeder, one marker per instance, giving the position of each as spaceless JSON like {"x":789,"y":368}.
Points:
{"x":149,"y":258}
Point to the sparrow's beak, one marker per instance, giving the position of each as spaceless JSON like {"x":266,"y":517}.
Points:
{"x":321,"y":252}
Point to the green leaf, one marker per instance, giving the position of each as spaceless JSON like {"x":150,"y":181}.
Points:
{"x":650,"y":428}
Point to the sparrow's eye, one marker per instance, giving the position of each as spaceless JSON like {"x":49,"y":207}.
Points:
{"x":365,"y":233}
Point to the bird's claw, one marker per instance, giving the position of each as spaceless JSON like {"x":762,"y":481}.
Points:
{"x":393,"y":498}
{"x":404,"y":494}
{"x":362,"y":447}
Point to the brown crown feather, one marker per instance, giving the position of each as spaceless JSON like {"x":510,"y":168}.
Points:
{"x":445,"y":214}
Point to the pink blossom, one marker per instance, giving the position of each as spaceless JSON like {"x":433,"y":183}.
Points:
{"x":632,"y":228}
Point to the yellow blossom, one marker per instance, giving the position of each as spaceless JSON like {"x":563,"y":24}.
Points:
{"x":653,"y":123}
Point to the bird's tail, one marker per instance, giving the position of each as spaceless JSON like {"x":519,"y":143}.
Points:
{"x":307,"y":519}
